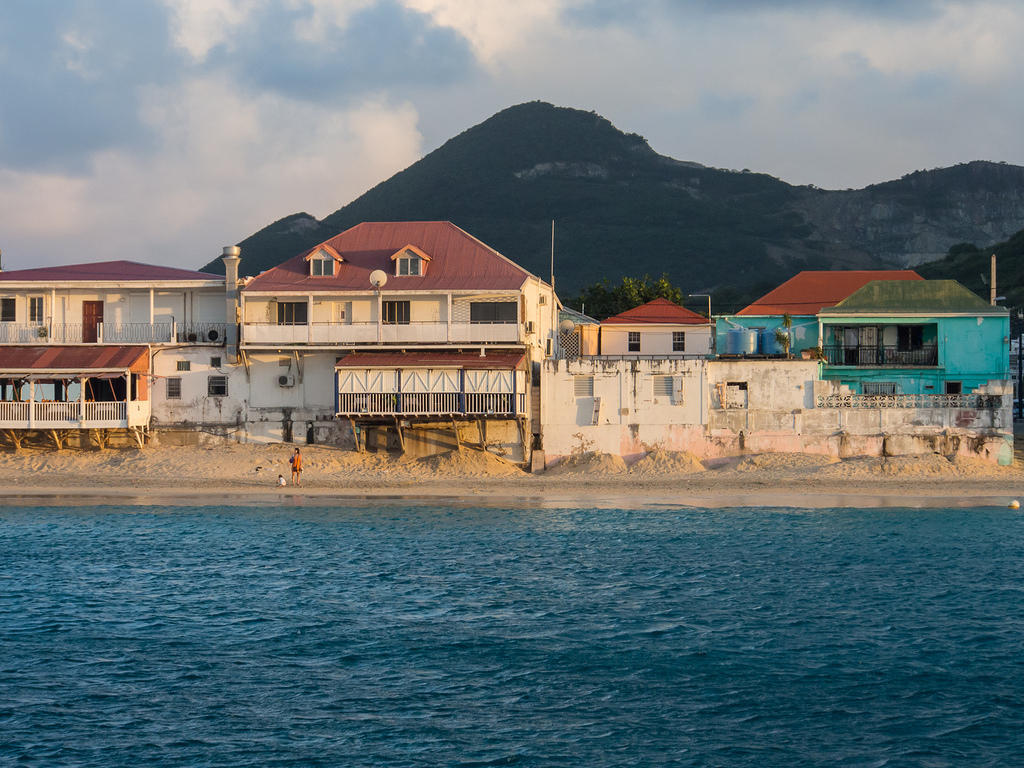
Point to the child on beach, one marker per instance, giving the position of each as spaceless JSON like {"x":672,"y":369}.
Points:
{"x":281,"y":482}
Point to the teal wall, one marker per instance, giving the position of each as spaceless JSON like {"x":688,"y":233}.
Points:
{"x":972,"y":350}
{"x":805,"y":329}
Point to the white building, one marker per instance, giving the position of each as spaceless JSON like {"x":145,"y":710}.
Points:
{"x":658,"y":328}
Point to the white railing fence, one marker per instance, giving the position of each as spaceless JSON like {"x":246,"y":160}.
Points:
{"x":972,"y":402}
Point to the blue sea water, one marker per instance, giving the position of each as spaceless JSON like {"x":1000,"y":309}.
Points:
{"x":422,"y":636}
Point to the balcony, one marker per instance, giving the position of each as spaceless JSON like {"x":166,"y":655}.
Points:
{"x":74,"y":414}
{"x":112,"y":333}
{"x":431,"y":404}
{"x":878,"y":356}
{"x":372,"y":333}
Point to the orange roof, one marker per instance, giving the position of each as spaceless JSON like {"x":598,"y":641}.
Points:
{"x":809,"y":292}
{"x":657,"y":311}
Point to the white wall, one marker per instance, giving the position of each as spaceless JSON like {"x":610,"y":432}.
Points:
{"x":655,"y":339}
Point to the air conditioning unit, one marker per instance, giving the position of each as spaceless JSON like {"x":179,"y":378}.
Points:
{"x":530,"y":326}
{"x":286,"y":380}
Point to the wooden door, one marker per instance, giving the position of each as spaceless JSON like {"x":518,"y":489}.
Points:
{"x":92,"y":316}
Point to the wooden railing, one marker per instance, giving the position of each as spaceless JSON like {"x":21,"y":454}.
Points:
{"x":35,"y":414}
{"x":431,"y":403}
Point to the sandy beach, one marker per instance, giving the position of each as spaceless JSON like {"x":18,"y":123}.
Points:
{"x":234,"y":473}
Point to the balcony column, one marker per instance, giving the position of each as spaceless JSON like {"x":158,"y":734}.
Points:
{"x":31,"y":404}
{"x":151,"y":300}
{"x":309,"y":319}
{"x":52,"y":316}
{"x":448,"y":330}
{"x":81,"y":399}
{"x":380,"y":316}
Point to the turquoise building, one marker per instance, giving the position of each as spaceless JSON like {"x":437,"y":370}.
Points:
{"x":915,"y":337}
{"x":752,"y":329}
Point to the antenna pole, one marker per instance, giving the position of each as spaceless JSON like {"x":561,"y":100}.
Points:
{"x":992,"y":299}
{"x":553,"y":254}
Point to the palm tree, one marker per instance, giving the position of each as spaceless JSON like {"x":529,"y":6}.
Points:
{"x":782,"y":335}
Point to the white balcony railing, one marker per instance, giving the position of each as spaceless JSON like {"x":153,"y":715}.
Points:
{"x":78,"y":333}
{"x":431,"y":404}
{"x":74,"y":414}
{"x":372,"y":333}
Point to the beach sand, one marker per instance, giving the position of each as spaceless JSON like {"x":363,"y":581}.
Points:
{"x":232,"y":473}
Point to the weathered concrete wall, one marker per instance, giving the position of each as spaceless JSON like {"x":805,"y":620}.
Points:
{"x":730,"y":407}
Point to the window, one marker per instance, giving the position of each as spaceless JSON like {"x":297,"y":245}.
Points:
{"x":396,"y":312}
{"x":321,"y":265}
{"x":409,"y":264}
{"x":910,"y":337}
{"x":735,"y":394}
{"x":292,"y":312}
{"x":494,"y":312}
{"x":217,"y":386}
{"x":583,"y":386}
{"x":35,"y":310}
{"x":184,"y":365}
{"x":954,"y":388}
{"x":174,"y":388}
{"x":634,"y":341}
{"x":879,"y":388}
{"x":6,"y":310}
{"x":663,"y":386}
{"x":215,"y":362}
{"x":678,"y":341}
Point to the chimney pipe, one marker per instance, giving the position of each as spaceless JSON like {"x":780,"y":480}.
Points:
{"x":231,"y":255}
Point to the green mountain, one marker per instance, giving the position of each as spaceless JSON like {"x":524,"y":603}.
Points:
{"x":622,"y":209}
{"x":972,"y":266}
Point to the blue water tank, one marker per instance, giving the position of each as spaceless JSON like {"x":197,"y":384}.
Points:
{"x":748,"y":342}
{"x":733,"y":342}
{"x":768,"y":343}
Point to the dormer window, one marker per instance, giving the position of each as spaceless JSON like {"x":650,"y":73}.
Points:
{"x":323,"y":262}
{"x":410,"y":262}
{"x":410,"y":265}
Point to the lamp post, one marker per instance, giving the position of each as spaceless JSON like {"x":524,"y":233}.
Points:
{"x":708,"y":297}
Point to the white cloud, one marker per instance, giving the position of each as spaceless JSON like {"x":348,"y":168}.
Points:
{"x":201,"y":25}
{"x":225,"y":167}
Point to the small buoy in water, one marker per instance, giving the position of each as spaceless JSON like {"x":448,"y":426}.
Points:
{"x":1014,"y":504}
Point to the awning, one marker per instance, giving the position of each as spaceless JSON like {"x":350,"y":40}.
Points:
{"x":55,"y":360}
{"x":464,"y":360}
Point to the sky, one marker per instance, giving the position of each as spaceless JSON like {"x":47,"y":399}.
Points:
{"x":161,"y":130}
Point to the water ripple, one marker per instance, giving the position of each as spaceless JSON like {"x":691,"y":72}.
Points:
{"x":413,"y":636}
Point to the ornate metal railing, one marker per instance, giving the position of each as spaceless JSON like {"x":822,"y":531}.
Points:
{"x":880,"y":355}
{"x":972,"y":402}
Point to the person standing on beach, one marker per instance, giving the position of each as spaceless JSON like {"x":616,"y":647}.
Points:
{"x":296,"y":462}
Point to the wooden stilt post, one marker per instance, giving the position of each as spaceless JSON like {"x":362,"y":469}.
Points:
{"x":355,"y":434}
{"x":522,"y":438}
{"x":482,"y":430}
{"x":401,"y":437}
{"x":455,"y":430}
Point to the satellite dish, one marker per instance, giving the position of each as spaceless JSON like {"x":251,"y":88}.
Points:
{"x":378,"y":278}
{"x":567,"y":326}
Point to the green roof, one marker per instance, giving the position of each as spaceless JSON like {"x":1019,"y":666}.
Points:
{"x":913,"y":297}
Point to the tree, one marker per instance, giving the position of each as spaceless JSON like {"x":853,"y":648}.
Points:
{"x":782,"y":335}
{"x":601,"y":301}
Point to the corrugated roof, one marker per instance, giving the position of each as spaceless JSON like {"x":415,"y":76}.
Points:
{"x":74,"y":358}
{"x":808,"y":292}
{"x":467,"y":360}
{"x":657,"y":311}
{"x":894,"y":297}
{"x":122,"y":271}
{"x":457,"y":261}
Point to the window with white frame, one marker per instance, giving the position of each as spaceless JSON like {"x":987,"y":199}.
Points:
{"x":321,"y":265}
{"x":35,"y":310}
{"x":582,"y":386}
{"x":184,"y":365}
{"x":292,"y":312}
{"x":409,"y":263}
{"x":678,"y":341}
{"x":7,"y":310}
{"x":174,"y":388}
{"x":633,"y":341}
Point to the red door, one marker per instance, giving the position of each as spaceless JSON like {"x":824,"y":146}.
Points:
{"x":92,"y":315}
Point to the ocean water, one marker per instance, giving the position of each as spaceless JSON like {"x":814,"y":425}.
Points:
{"x":424,"y":636}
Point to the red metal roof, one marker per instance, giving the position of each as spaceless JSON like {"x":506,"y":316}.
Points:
{"x":808,"y":292}
{"x":77,"y":359}
{"x":468,"y":360}
{"x":105,"y":270}
{"x":457,"y":261}
{"x":657,"y":311}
